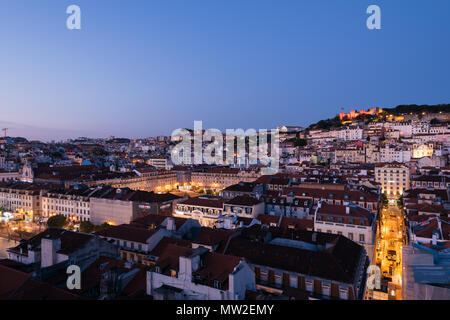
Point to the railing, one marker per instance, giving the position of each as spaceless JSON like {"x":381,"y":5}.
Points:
{"x":342,"y":225}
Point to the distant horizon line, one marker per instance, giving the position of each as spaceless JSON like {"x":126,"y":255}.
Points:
{"x":105,"y":137}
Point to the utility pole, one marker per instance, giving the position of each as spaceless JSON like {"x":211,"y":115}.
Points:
{"x":5,"y":130}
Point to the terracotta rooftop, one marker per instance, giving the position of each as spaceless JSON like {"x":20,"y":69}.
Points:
{"x":207,"y":202}
{"x":243,"y":201}
{"x":127,"y":232}
{"x":336,"y":261}
{"x":18,"y":285}
{"x":70,"y":241}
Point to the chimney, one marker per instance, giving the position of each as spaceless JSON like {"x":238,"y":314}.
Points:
{"x":227,"y":222}
{"x":347,"y":210}
{"x":171,"y":224}
{"x":187,"y":265}
{"x":434,"y":240}
{"x":49,"y":247}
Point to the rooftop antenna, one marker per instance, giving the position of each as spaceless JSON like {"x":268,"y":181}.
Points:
{"x":5,"y":130}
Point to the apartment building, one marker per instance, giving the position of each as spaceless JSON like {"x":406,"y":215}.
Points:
{"x":206,"y":210}
{"x":105,"y":204}
{"x":243,"y":207}
{"x":275,"y":182}
{"x":243,"y":188}
{"x":390,"y":153}
{"x":135,"y":242}
{"x":73,"y":203}
{"x":437,"y":182}
{"x":420,"y":127}
{"x":285,"y":222}
{"x":322,"y":136}
{"x":6,"y":176}
{"x":333,"y":195}
{"x":222,"y":177}
{"x":55,"y":246}
{"x":350,"y":155}
{"x":351,"y":134}
{"x":22,"y":198}
{"x":159,"y":163}
{"x":148,"y":179}
{"x":372,"y":153}
{"x":356,"y":223}
{"x":182,"y":273}
{"x":288,"y":207}
{"x":394,"y":179}
{"x":121,"y":206}
{"x":405,"y":128}
{"x":425,"y":271}
{"x":319,"y":265}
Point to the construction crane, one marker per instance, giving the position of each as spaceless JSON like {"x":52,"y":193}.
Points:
{"x":5,"y":130}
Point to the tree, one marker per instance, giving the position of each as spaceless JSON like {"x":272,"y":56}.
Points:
{"x":400,"y":202}
{"x":300,"y":142}
{"x":435,"y":121}
{"x":58,"y":221}
{"x":101,"y":226}
{"x":86,"y":227}
{"x":384,"y":200}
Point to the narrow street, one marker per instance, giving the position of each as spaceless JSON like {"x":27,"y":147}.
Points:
{"x":389,"y":249}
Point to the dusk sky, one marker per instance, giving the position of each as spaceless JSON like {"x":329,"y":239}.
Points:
{"x":146,"y":67}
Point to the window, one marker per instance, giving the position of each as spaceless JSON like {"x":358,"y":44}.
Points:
{"x":350,"y":236}
{"x":361,"y":238}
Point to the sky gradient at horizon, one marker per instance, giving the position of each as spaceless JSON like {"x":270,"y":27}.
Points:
{"x":144,"y":68}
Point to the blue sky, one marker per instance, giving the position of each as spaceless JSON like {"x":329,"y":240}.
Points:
{"x":146,"y":67}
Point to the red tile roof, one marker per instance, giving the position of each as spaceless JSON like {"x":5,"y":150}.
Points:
{"x":213,"y":237}
{"x":127,"y":232}
{"x":339,"y":262}
{"x":161,"y":246}
{"x":204,"y":202}
{"x":18,"y":285}
{"x":243,"y":201}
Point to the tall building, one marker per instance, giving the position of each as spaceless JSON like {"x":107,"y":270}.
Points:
{"x":394,"y":179}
